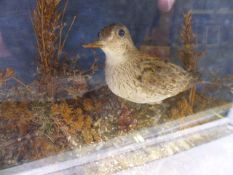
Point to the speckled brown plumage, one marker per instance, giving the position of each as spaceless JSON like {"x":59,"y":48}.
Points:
{"x":134,"y":75}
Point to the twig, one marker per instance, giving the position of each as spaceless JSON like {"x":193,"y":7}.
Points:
{"x":20,"y":82}
{"x":13,"y":141}
{"x":67,"y":33}
{"x":61,"y":30}
{"x":64,"y":129}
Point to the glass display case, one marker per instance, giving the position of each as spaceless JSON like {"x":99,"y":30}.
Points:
{"x":101,"y":86}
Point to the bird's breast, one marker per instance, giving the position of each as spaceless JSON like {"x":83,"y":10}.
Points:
{"x":120,"y":80}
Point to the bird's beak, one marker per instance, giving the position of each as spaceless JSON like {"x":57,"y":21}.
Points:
{"x":96,"y":44}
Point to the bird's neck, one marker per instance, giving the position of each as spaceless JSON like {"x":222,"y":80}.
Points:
{"x":119,"y":56}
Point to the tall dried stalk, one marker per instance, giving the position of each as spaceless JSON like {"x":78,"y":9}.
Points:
{"x":49,"y":29}
{"x":188,"y":53}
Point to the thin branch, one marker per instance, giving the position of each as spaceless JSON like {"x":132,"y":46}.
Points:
{"x":67,"y":33}
{"x":20,"y":82}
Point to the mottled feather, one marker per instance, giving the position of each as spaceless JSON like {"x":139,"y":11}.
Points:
{"x":136,"y":76}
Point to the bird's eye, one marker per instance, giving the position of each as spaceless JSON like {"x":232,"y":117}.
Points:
{"x":121,"y":33}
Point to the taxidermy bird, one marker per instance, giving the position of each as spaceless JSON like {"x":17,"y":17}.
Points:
{"x":135,"y":76}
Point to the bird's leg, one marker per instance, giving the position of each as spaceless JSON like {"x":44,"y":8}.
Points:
{"x":125,"y":119}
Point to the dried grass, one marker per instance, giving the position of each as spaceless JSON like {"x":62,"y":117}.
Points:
{"x":50,"y":34}
{"x":188,"y":53}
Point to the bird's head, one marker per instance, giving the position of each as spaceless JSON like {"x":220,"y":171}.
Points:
{"x":115,"y":40}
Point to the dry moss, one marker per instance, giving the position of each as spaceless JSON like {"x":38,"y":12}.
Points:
{"x":18,"y":116}
{"x":88,"y":105}
{"x":76,"y":120}
{"x":181,"y":109}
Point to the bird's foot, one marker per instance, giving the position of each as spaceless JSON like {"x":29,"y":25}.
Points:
{"x":126,"y":121}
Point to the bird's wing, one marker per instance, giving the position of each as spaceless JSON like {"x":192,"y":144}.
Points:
{"x":158,"y":74}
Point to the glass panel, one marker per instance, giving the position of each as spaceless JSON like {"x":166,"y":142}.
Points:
{"x":158,"y":67}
